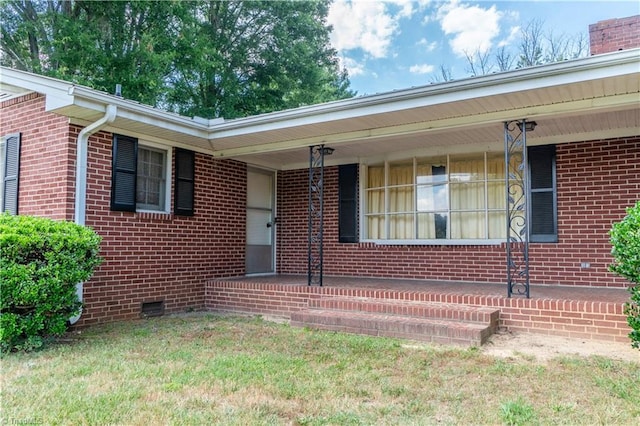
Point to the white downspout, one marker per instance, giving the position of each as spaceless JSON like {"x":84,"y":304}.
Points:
{"x":82,"y":147}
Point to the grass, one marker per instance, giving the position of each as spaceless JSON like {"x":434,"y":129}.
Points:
{"x":209,"y":369}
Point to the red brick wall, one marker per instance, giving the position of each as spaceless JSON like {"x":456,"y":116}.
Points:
{"x":614,"y":34}
{"x":596,"y":181}
{"x":47,"y":161}
{"x":151,"y":256}
{"x":147,"y":257}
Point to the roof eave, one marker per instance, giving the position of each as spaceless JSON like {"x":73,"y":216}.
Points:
{"x":65,"y":98}
{"x":590,"y":68}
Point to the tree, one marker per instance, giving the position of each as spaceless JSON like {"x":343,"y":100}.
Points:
{"x":563,"y":47}
{"x":534,"y":47}
{"x":504,"y":59}
{"x":531,"y":44}
{"x":208,"y":58}
{"x":255,"y":57}
{"x":444,"y":76}
{"x":99,"y":44}
{"x":479,"y":62}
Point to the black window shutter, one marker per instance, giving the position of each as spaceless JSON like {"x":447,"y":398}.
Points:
{"x":10,"y":179}
{"x":348,"y":203}
{"x":183,"y":196}
{"x":123,"y":178}
{"x":544,"y":220}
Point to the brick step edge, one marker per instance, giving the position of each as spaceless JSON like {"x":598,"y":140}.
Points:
{"x":435,"y":310}
{"x":404,"y":327}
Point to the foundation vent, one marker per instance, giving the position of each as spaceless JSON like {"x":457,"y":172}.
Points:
{"x":152,"y":309}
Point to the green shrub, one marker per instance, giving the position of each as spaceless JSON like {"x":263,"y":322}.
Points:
{"x":41,"y":261}
{"x":625,"y":238}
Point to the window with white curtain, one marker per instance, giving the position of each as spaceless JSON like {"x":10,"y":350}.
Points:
{"x":449,"y":197}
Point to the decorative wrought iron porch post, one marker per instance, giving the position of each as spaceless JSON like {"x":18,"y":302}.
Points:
{"x":316,"y":213}
{"x":517,"y":191}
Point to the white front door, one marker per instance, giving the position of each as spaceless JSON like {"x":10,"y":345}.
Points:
{"x":259,"y":254}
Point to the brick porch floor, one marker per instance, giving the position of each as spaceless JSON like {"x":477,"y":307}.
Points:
{"x":572,"y":311}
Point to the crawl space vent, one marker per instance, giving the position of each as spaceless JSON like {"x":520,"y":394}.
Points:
{"x":152,"y":309}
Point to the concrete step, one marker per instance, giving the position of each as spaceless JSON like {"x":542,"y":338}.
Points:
{"x":423,"y":321}
{"x":449,"y":311}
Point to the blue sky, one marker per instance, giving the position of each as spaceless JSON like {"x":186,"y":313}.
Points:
{"x":396,"y":44}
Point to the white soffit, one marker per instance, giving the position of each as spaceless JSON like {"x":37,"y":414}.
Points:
{"x":8,"y":91}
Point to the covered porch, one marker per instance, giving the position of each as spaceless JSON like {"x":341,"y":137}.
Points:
{"x":420,"y":191}
{"x":570,"y":311}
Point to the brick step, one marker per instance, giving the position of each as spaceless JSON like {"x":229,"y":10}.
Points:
{"x":449,"y":311}
{"x":405,"y":327}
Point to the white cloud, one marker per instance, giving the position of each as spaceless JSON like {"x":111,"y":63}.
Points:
{"x":361,"y":25}
{"x":429,"y":47}
{"x":421,"y":69}
{"x":406,"y":7}
{"x":473,"y":28}
{"x":369,"y":25}
{"x":353,"y":67}
{"x":514,"y":33}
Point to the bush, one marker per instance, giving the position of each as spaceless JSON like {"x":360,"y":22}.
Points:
{"x":41,"y":261}
{"x":625,"y":238}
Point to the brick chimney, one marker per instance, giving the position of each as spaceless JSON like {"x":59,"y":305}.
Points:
{"x":614,"y":34}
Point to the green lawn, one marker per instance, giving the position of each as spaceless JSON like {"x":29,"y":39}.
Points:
{"x":208,"y":369}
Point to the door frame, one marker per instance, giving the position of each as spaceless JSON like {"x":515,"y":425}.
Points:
{"x":274,"y":205}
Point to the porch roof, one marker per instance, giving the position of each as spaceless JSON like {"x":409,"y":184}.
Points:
{"x":589,"y":98}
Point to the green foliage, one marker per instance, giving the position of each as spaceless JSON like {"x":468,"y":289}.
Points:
{"x":625,"y":238}
{"x":632,"y":311}
{"x":250,"y":57}
{"x":41,"y":261}
{"x":517,"y":413}
{"x":208,"y":58}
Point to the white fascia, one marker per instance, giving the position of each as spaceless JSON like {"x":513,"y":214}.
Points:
{"x":62,"y":94}
{"x":56,"y":91}
{"x":585,"y":69}
{"x":134,"y":111}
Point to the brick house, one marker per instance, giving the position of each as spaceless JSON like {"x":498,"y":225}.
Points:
{"x":415,"y":189}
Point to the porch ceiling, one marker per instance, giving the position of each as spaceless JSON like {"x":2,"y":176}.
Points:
{"x":567,"y":113}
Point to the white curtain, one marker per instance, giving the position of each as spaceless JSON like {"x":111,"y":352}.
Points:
{"x":496,"y":196}
{"x":462,"y":198}
{"x":401,"y":205}
{"x":467,"y":197}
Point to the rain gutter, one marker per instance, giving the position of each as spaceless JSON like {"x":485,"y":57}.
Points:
{"x":82,"y":147}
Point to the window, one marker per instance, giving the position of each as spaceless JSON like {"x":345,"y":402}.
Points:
{"x":452,"y":197}
{"x":139,"y":176}
{"x":9,"y":172}
{"x":151,"y":182}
